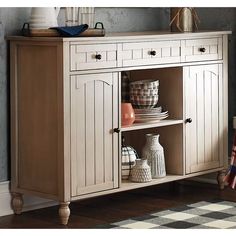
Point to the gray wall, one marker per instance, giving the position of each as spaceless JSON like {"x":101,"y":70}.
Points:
{"x":115,"y":20}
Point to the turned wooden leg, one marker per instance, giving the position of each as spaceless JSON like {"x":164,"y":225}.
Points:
{"x":64,"y":212}
{"x":17,"y":203}
{"x":220,"y":179}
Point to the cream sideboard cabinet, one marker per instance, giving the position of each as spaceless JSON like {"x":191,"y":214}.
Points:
{"x":65,"y":110}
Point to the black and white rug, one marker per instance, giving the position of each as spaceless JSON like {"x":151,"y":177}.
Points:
{"x":202,"y":215}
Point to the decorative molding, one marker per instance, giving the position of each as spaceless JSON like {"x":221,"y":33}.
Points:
{"x":30,"y":202}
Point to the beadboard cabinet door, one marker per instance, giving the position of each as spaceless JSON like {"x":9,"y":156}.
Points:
{"x":94,"y":145}
{"x":204,"y":117}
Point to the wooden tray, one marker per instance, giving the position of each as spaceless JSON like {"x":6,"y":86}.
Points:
{"x":43,"y":33}
{"x":92,"y":32}
{"x":53,"y":33}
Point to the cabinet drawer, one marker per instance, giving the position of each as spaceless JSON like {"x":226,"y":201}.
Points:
{"x":83,"y":57}
{"x":146,"y":53}
{"x":203,"y":49}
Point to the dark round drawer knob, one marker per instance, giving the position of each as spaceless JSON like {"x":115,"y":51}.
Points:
{"x":153,"y":53}
{"x":98,"y":56}
{"x":116,"y":130}
{"x":189,"y":120}
{"x":202,"y":49}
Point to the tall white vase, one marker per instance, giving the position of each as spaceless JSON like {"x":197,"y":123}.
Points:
{"x":86,"y":16}
{"x":154,"y":153}
{"x":71,"y":16}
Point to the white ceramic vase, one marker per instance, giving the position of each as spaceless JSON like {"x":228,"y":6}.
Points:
{"x":141,"y":172}
{"x":154,"y":153}
{"x":86,"y":16}
{"x":71,"y":16}
{"x":43,"y":17}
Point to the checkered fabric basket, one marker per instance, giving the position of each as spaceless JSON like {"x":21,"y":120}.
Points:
{"x":128,"y":157}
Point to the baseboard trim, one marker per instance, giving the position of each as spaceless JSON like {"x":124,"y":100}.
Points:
{"x":30,"y":202}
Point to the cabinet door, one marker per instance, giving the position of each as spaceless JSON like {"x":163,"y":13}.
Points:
{"x":203,"y":104}
{"x":94,"y":145}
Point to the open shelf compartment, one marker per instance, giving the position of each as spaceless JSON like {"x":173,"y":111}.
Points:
{"x":171,"y":138}
{"x":170,"y":92}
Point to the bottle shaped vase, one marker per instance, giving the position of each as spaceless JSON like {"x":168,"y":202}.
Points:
{"x":154,"y":153}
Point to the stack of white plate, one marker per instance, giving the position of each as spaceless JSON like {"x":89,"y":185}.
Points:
{"x":150,"y":114}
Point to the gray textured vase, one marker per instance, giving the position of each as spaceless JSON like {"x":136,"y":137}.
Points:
{"x":154,"y":153}
{"x":141,"y":172}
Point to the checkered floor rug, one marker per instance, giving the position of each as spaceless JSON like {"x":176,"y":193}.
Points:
{"x":202,"y":215}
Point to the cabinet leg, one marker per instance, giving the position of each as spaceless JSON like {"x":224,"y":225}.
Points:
{"x":64,"y":212}
{"x":220,"y":179}
{"x":17,"y":203}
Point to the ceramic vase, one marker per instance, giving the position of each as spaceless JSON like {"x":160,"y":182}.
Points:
{"x":154,"y":153}
{"x":86,"y":16}
{"x":141,"y":172}
{"x":127,"y":114}
{"x":71,"y":16}
{"x":184,"y":19}
{"x":43,"y":17}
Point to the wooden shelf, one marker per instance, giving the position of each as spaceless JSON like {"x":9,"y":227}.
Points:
{"x":137,"y":126}
{"x":126,"y":184}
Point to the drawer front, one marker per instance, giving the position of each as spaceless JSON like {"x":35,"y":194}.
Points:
{"x":83,"y":57}
{"x":145,"y":53}
{"x":202,"y":49}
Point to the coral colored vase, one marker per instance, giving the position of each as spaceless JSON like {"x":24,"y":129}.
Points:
{"x":127,"y":114}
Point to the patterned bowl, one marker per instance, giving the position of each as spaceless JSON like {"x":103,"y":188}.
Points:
{"x":143,"y":101}
{"x":144,"y":84}
{"x":144,"y":92}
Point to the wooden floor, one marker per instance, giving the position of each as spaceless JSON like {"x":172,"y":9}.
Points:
{"x":101,"y":210}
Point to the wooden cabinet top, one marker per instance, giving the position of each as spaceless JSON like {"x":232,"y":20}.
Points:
{"x":127,"y":36}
